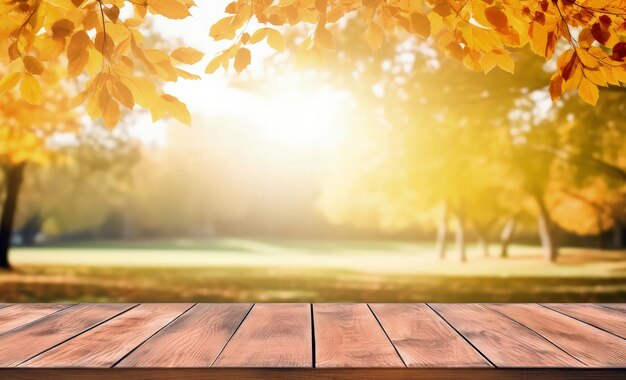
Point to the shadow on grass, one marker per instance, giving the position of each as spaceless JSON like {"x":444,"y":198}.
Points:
{"x":86,"y":284}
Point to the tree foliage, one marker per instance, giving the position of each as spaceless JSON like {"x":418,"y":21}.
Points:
{"x":103,"y":41}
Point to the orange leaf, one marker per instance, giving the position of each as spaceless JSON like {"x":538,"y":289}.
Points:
{"x":242,"y":59}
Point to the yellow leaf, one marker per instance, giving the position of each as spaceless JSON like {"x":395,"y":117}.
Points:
{"x":9,"y":81}
{"x":172,"y":9}
{"x":259,"y":35}
{"x":588,"y":91}
{"x":122,"y":94}
{"x":187,"y":55}
{"x":31,"y":89}
{"x":32,"y":65}
{"x":374,"y":36}
{"x":110,"y":109}
{"x":323,"y":37}
{"x":220,"y":27}
{"x":242,"y":59}
{"x":275,"y":40}
{"x":77,"y":64}
{"x":588,"y":60}
{"x":214,"y":64}
{"x":78,"y":44}
{"x":176,"y":108}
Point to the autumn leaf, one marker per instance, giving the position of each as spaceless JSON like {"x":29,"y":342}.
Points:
{"x":122,"y":94}
{"x":324,"y":38}
{"x":214,"y":64}
{"x":32,"y":65}
{"x":9,"y":81}
{"x":112,"y":12}
{"x":275,"y":40}
{"x":62,"y":28}
{"x":172,"y":9}
{"x":588,"y":91}
{"x":374,"y":36}
{"x":187,"y":55}
{"x":258,"y":35}
{"x":242,"y":59}
{"x":420,"y":24}
{"x":496,"y":17}
{"x":176,"y":108}
{"x":31,"y":89}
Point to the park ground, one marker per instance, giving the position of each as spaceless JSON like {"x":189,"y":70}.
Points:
{"x":262,"y":270}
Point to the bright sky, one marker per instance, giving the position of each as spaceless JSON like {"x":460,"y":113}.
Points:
{"x":287,"y":115}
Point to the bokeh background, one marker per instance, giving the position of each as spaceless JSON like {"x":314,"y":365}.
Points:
{"x":393,"y":176}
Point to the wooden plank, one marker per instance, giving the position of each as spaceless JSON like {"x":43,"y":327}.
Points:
{"x":17,"y":315}
{"x":615,"y":306}
{"x":348,"y":335}
{"x":22,"y":343}
{"x":105,"y":345}
{"x":193,"y":340}
{"x":592,"y":346}
{"x":610,"y":320}
{"x":504,"y":342}
{"x":272,"y":335}
{"x":423,"y":339}
{"x":311,"y":373}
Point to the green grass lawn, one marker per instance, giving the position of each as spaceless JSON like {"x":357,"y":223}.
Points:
{"x":246,"y":270}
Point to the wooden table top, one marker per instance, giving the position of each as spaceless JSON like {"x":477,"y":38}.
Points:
{"x":459,"y":338}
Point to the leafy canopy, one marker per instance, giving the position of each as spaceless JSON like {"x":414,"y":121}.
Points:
{"x":102,"y":40}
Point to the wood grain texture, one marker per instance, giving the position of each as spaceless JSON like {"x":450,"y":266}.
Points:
{"x":615,"y":306}
{"x":310,"y":373}
{"x":21,"y":314}
{"x":592,"y":346}
{"x":22,"y":343}
{"x":272,"y":335}
{"x":348,"y":335}
{"x":193,"y":340}
{"x":504,"y":342}
{"x":423,"y":339}
{"x":610,"y":320}
{"x":104,"y":345}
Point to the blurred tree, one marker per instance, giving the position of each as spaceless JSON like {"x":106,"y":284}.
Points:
{"x":28,"y":137}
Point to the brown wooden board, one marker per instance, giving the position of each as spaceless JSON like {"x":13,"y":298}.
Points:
{"x":310,"y":373}
{"x":193,"y":340}
{"x":504,"y":342}
{"x":21,"y":314}
{"x":109,"y":342}
{"x":609,"y":320}
{"x":592,"y":346}
{"x":423,"y":339}
{"x":22,"y":343}
{"x":615,"y":306}
{"x":348,"y":335}
{"x":272,"y":335}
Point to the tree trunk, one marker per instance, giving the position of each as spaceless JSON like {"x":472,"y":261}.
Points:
{"x":600,"y":224}
{"x":442,"y":233}
{"x":507,"y":234}
{"x":618,"y":235}
{"x":13,"y":180}
{"x":546,"y":231}
{"x":483,"y":239}
{"x":460,"y":235}
{"x":483,"y":243}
